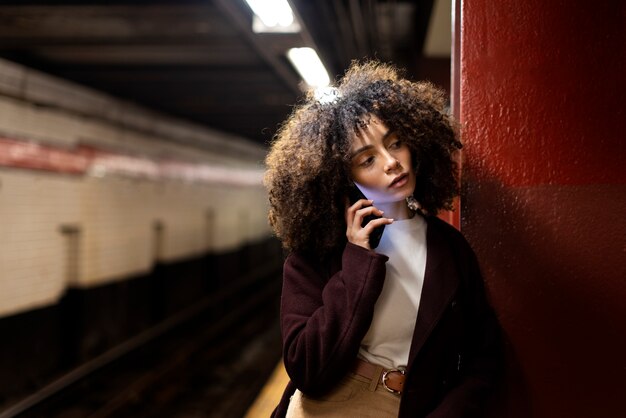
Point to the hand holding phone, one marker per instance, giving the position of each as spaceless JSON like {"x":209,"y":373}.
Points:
{"x":374,"y":238}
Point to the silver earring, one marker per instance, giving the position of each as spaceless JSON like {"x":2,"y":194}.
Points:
{"x":413,"y":204}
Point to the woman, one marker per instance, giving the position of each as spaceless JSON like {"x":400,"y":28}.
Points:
{"x":396,"y":328}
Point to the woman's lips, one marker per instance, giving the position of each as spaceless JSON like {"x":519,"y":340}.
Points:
{"x":399,"y":181}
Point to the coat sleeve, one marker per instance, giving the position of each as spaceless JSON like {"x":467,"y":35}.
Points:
{"x":324,"y":319}
{"x":481,"y":362}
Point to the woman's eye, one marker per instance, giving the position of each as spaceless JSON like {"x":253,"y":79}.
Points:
{"x":367,"y":161}
{"x":395,"y":145}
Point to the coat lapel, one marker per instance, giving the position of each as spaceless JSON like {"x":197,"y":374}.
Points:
{"x":440,"y":284}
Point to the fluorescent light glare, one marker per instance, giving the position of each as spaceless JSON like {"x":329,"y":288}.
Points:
{"x":259,"y":27}
{"x":272,"y":12}
{"x":309,"y":66}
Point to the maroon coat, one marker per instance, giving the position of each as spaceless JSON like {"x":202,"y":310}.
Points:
{"x":327,"y":308}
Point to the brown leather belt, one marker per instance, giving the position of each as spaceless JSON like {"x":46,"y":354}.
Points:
{"x":392,"y":379}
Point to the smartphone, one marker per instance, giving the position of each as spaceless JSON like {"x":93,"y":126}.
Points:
{"x":377,"y":233}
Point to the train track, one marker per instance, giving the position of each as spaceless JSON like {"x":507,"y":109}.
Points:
{"x":210,"y":361}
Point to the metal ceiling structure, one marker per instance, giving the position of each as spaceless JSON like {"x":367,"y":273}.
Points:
{"x":200,"y":60}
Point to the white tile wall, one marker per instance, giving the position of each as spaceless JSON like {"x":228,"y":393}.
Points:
{"x":71,"y":111}
{"x":32,"y":256}
{"x":116,"y":217}
{"x":23,"y":121}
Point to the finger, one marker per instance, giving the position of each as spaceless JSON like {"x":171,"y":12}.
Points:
{"x":356,"y":206}
{"x":375,"y":223}
{"x":362,"y":213}
{"x":370,"y":210}
{"x":360,"y":204}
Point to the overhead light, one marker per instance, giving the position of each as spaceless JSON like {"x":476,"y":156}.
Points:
{"x":258,"y":26}
{"x":272,"y":12}
{"x":309,"y":66}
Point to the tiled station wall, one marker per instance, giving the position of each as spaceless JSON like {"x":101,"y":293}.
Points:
{"x":86,"y":229}
{"x":117,"y":218}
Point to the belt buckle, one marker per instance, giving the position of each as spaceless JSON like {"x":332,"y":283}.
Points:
{"x":385,"y":377}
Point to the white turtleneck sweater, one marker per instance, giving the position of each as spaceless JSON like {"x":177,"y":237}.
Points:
{"x":388,"y":339}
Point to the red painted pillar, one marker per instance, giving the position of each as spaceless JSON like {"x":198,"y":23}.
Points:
{"x":542,"y":102}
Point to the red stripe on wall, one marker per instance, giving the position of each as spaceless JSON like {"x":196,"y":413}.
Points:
{"x":34,"y":156}
{"x":91,"y":161}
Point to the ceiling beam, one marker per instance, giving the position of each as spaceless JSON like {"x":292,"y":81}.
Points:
{"x":242,"y":22}
{"x":90,"y":23}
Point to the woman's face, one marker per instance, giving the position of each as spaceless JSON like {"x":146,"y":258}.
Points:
{"x":381,"y":164}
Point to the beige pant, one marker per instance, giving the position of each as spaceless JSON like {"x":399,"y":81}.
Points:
{"x":354,"y":396}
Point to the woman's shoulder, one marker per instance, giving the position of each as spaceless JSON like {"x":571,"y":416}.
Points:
{"x":329,"y":263}
{"x":311,"y":261}
{"x":308,"y":256}
{"x":448,"y":233}
{"x":333,"y":256}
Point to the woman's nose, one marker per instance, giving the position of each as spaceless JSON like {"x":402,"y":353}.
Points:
{"x":391,"y":163}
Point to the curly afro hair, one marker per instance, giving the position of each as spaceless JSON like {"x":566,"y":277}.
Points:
{"x":307,"y":173}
